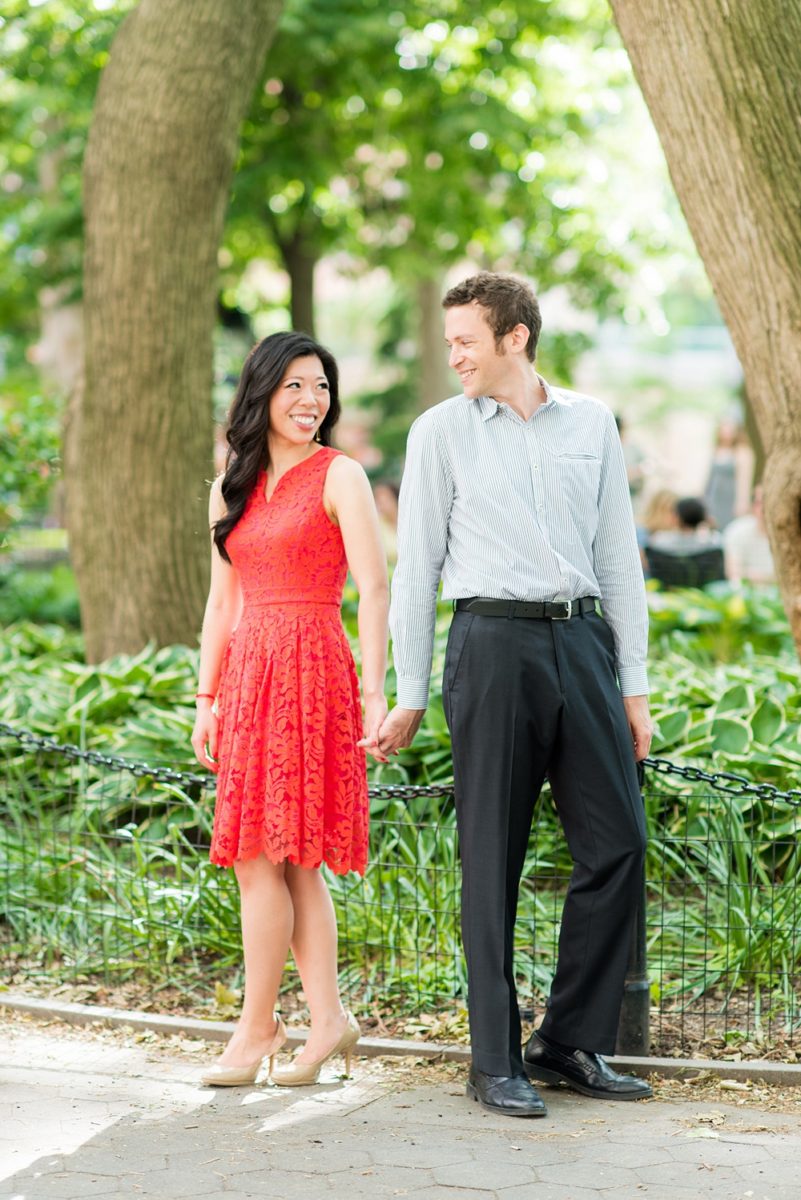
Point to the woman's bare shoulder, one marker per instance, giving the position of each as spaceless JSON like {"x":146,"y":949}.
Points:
{"x":216,"y":503}
{"x":345,"y":470}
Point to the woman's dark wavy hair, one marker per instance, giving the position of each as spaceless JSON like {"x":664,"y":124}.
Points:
{"x":249,"y":419}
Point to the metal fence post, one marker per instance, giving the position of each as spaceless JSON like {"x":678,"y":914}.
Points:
{"x":633,"y":1031}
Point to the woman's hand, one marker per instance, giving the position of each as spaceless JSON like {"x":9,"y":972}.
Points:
{"x":375,"y":710}
{"x":204,"y":736}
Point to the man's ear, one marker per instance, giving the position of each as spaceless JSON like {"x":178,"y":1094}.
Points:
{"x":518,"y":337}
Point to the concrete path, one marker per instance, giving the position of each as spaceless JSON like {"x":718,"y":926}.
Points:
{"x":96,"y":1114}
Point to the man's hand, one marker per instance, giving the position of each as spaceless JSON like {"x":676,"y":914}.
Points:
{"x":640,"y":724}
{"x":399,"y":728}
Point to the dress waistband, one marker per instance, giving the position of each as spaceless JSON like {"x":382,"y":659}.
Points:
{"x":287,"y":598}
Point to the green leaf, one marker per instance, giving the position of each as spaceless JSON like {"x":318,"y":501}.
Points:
{"x":768,"y":721}
{"x":730,"y":735}
{"x":739,"y":698}
{"x":672,"y":726}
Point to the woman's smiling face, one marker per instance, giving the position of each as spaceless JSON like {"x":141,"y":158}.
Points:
{"x":299,"y":404}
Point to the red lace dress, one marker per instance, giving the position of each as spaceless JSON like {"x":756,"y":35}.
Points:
{"x":292,"y":782}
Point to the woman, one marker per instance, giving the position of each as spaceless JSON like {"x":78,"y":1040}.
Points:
{"x":278,"y":715}
{"x":731,"y":474}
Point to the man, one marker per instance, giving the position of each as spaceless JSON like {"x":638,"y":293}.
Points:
{"x":515,"y":494}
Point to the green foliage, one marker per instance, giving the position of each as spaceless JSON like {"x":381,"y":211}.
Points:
{"x":43,"y":596}
{"x":29,"y":449}
{"x":139,"y":705}
{"x":718,"y":624}
{"x":52,"y":56}
{"x":370,"y":131}
{"x":423,"y":131}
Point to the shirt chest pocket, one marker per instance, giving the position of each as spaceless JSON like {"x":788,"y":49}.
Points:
{"x":579,"y":477}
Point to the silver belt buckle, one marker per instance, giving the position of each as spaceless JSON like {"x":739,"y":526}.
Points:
{"x":568,"y":606}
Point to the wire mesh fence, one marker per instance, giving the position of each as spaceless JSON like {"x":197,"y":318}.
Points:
{"x":104,"y":874}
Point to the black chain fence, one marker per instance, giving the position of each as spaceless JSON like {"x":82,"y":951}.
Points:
{"x":105,"y":882}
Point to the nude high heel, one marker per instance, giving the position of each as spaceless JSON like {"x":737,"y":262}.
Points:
{"x":242,"y":1076}
{"x":296,"y":1074}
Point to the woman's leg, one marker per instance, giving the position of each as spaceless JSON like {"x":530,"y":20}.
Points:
{"x":267,"y":920}
{"x":314,"y":946}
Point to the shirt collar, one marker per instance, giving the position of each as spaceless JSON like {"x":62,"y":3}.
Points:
{"x":488,"y":407}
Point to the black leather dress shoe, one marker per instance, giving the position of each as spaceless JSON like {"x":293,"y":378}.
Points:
{"x":511,"y":1095}
{"x":584,"y":1072}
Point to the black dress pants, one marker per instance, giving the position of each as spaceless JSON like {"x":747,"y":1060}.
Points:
{"x":524,"y":698}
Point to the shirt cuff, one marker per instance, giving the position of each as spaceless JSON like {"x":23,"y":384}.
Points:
{"x":412,"y":693}
{"x":633,"y":681}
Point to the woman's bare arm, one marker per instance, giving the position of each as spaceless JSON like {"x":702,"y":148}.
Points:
{"x":223,"y":608}
{"x":349,"y":501}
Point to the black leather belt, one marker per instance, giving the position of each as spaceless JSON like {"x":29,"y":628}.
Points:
{"x":549,"y":610}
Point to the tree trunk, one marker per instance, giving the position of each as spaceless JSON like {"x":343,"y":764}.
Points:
{"x":754,"y":437}
{"x":300,"y":259}
{"x":720,"y":80}
{"x":156,"y":179}
{"x":435,"y":381}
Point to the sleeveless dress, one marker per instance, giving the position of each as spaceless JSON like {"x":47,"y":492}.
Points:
{"x":292,"y":783}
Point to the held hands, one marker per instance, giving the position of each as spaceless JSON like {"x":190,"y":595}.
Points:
{"x":640,"y":724}
{"x":204,"y":737}
{"x":375,"y":710}
{"x":399,"y":728}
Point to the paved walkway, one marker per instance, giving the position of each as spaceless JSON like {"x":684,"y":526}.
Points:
{"x":84,"y":1115}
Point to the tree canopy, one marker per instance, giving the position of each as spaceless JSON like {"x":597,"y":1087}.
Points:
{"x":421,"y":136}
{"x":52,"y":56}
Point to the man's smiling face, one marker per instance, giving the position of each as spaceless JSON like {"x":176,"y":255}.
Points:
{"x":480,"y":365}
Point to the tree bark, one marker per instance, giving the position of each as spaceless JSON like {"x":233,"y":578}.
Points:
{"x":300,"y":259}
{"x":754,"y":437}
{"x":435,"y":381}
{"x":156,"y":179}
{"x":721,"y":80}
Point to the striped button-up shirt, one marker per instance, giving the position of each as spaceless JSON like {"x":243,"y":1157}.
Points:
{"x":500,"y":507}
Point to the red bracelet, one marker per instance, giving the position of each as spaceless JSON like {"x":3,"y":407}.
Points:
{"x":205,"y":696}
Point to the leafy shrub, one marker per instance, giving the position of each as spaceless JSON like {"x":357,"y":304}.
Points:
{"x":29,"y":448}
{"x":44,"y":596}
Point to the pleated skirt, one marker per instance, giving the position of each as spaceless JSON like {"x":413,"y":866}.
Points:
{"x":292,"y":782}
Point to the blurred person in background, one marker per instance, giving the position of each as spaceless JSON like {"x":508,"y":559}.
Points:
{"x":385,"y":494}
{"x":691,"y":530}
{"x":690,"y":554}
{"x":728,"y":489}
{"x":746,"y":547}
{"x":659,"y":515}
